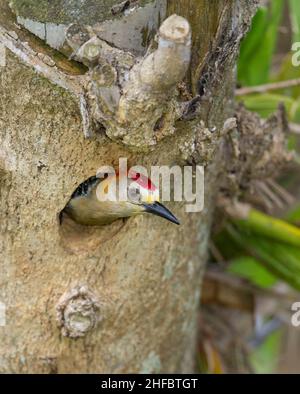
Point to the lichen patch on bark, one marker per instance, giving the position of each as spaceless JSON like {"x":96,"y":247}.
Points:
{"x":57,"y":11}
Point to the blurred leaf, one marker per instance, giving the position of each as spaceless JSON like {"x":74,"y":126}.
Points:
{"x":268,"y":226}
{"x":253,"y":38}
{"x":258,"y":47}
{"x":264,"y":359}
{"x":292,"y":142}
{"x":294,"y":114}
{"x":294,"y":215}
{"x":249,"y":268}
{"x":287,"y":72}
{"x":266,"y":104}
{"x":280,"y":259}
{"x":228,"y":247}
{"x":270,"y":241}
{"x":295,"y":18}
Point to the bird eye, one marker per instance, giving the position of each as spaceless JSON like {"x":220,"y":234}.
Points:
{"x":134,"y":194}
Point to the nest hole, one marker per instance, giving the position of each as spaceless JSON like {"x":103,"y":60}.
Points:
{"x":79,"y":239}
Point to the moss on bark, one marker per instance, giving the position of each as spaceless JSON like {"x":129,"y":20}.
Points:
{"x":67,"y":11}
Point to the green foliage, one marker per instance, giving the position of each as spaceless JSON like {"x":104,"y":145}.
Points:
{"x":295,"y":17}
{"x":282,"y":260}
{"x":288,"y":71}
{"x":267,"y":103}
{"x":264,"y":358}
{"x":249,"y":268}
{"x":270,"y":227}
{"x":257,"y":53}
{"x":294,"y":215}
{"x":258,"y":47}
{"x":262,"y":249}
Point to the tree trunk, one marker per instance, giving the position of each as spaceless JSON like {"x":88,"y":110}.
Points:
{"x":123,"y":298}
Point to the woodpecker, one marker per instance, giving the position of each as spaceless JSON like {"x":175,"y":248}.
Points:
{"x":94,"y":202}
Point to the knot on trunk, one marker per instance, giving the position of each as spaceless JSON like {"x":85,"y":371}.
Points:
{"x":77,"y":312}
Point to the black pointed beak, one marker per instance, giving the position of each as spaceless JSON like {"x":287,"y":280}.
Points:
{"x":160,"y":210}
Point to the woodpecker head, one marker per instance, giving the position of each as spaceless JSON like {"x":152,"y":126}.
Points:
{"x":140,"y":196}
{"x":102,"y":199}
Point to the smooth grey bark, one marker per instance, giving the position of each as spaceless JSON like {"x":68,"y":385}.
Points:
{"x":128,"y":293}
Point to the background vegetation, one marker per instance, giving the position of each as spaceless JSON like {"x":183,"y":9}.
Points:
{"x":256,"y":262}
